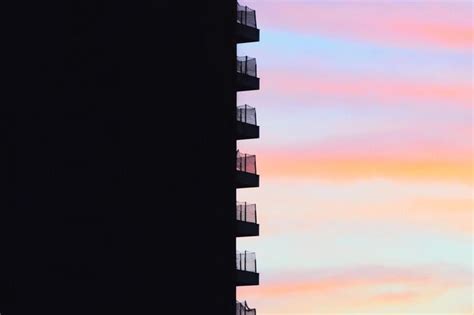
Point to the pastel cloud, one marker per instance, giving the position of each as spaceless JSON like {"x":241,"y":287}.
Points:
{"x":391,"y":141}
{"x":407,"y":153}
{"x":440,"y":208}
{"x":426,"y":214}
{"x":377,"y":90}
{"x":357,"y":289}
{"x":365,"y":156}
{"x":357,"y":169}
{"x":432,"y":24}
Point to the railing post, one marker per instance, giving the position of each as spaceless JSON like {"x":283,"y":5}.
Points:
{"x":245,"y":211}
{"x":246,"y":64}
{"x":245,"y":261}
{"x":245,"y":15}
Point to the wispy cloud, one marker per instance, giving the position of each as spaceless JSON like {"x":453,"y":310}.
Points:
{"x":382,"y":90}
{"x":441,"y":208}
{"x":358,"y":289}
{"x":366,"y":157}
{"x":443,"y":25}
{"x":340,"y":169}
{"x":405,"y":153}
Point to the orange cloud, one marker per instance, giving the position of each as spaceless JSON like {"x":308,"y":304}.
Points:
{"x":338,"y":169}
{"x":395,"y":297}
{"x":325,"y":286}
{"x":361,"y":288}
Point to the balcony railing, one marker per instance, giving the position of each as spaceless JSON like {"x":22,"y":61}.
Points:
{"x":246,"y":65}
{"x":243,"y":309}
{"x":247,"y":212}
{"x":246,"y":261}
{"x":246,"y":16}
{"x":247,"y":114}
{"x":246,"y":163}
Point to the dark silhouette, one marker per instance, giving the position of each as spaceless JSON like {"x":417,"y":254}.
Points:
{"x":118,"y":133}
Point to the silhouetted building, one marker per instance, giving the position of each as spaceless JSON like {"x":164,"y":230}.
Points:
{"x":118,"y":167}
{"x":247,"y":177}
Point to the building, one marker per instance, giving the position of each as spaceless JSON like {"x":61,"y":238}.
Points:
{"x":247,"y":176}
{"x":118,"y":178}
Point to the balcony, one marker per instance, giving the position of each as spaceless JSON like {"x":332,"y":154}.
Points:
{"x":246,"y":175}
{"x":247,"y":123}
{"x":246,"y":269}
{"x":243,"y":309}
{"x":247,"y":79}
{"x":246,"y":27}
{"x":247,"y":220}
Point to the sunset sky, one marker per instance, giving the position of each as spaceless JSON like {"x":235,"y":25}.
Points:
{"x":366,"y":197}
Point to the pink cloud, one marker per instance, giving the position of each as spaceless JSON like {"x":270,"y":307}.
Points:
{"x":378,"y":90}
{"x":403,"y":156}
{"x":402,"y":143}
{"x":442,"y":24}
{"x":357,"y":288}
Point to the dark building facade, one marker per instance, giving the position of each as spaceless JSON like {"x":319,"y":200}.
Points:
{"x":118,"y":165}
{"x":247,"y":176}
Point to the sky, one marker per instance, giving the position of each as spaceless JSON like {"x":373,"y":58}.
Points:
{"x":365,"y":156}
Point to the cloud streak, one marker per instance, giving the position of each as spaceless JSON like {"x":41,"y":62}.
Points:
{"x":408,"y":153}
{"x":357,"y":289}
{"x":334,"y":169}
{"x":376,"y":90}
{"x":439,"y":25}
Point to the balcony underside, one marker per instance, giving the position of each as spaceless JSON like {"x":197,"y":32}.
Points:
{"x":247,"y":229}
{"x":247,"y":82}
{"x":246,"y":180}
{"x":247,"y":131}
{"x":245,"y":278}
{"x":246,"y":34}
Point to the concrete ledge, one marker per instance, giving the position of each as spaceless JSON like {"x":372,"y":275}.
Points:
{"x":247,"y":82}
{"x":245,"y":278}
{"x":245,"y":229}
{"x":247,"y":131}
{"x":246,"y":34}
{"x":246,"y":180}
